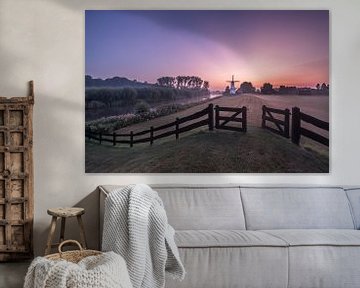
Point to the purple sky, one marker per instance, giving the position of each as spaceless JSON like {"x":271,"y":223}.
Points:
{"x":289,"y":47}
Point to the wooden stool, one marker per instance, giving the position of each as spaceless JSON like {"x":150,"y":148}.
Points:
{"x":64,"y":213}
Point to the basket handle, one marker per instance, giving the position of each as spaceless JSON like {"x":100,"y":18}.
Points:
{"x":69,"y":241}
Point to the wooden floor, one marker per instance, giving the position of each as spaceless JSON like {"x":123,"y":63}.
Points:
{"x":12,"y":274}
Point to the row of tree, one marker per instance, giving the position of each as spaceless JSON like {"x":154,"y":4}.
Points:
{"x":267,"y":88}
{"x":183,"y":82}
{"x":112,"y":97}
{"x":323,"y":89}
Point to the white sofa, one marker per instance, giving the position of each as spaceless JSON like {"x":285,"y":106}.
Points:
{"x":235,"y":236}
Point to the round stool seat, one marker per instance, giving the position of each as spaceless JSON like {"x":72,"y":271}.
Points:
{"x":66,"y":211}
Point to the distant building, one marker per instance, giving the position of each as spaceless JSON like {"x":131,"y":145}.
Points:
{"x":232,"y":85}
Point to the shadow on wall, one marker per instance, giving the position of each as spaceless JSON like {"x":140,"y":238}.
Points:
{"x":56,"y":155}
{"x":90,"y":219}
{"x":28,"y":52}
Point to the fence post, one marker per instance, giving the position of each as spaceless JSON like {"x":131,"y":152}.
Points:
{"x":287,"y":124}
{"x":295,"y":125}
{"x":244,"y":117}
{"x":217,"y":117}
{"x":100,"y":138}
{"x":151,"y":135}
{"x":263,"y":123}
{"x":177,"y":128}
{"x":114,"y":138}
{"x":211,"y":117}
{"x":131,"y":138}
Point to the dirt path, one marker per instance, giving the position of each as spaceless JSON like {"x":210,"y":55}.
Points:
{"x":317,"y":106}
{"x":252,"y":102}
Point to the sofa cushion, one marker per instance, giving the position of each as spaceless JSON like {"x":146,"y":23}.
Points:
{"x":317,"y":237}
{"x":296,"y":208}
{"x":218,"y":267}
{"x":226,"y":238}
{"x":324,"y":266}
{"x":322,"y":258}
{"x":192,"y":208}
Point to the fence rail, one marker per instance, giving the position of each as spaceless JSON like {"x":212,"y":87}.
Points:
{"x":282,"y":125}
{"x":298,"y":131}
{"x":150,"y":137}
{"x":221,"y":122}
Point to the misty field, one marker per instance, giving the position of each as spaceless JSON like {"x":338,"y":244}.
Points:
{"x":200,"y":150}
{"x":317,"y":106}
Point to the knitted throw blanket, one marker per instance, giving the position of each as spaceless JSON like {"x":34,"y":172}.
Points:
{"x":103,"y":271}
{"x":136,"y":227}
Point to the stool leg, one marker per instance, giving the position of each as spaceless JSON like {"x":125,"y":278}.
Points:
{"x":82,"y":232}
{"x":62,"y":230}
{"x":51,"y":235}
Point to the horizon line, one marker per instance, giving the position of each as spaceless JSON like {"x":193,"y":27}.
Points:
{"x":225,"y":81}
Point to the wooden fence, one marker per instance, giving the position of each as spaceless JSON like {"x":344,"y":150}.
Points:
{"x":239,"y":116}
{"x":282,"y":125}
{"x":149,"y":135}
{"x":297,"y":130}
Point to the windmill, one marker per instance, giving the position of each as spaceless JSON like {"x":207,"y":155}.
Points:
{"x":232,"y":85}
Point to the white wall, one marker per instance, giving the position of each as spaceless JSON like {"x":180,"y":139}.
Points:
{"x":43,"y":40}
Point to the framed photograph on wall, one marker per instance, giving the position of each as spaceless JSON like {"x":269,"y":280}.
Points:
{"x":225,"y":91}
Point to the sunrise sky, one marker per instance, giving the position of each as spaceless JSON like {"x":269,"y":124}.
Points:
{"x":280,"y":47}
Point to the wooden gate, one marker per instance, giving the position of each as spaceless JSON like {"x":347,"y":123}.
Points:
{"x":239,"y":116}
{"x":281,"y":126}
{"x":16,"y":177}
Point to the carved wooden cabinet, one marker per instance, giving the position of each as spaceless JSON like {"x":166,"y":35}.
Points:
{"x":16,"y":177}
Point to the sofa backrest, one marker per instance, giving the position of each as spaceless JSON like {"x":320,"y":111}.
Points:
{"x":296,"y":208}
{"x":354,"y":198}
{"x":256,"y":208}
{"x":203,"y":208}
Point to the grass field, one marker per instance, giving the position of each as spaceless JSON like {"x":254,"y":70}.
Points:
{"x":257,"y":151}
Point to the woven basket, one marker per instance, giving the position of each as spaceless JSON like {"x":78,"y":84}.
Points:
{"x":72,"y":256}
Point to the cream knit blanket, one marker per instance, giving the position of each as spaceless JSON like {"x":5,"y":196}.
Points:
{"x":136,"y":227}
{"x":103,"y":271}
